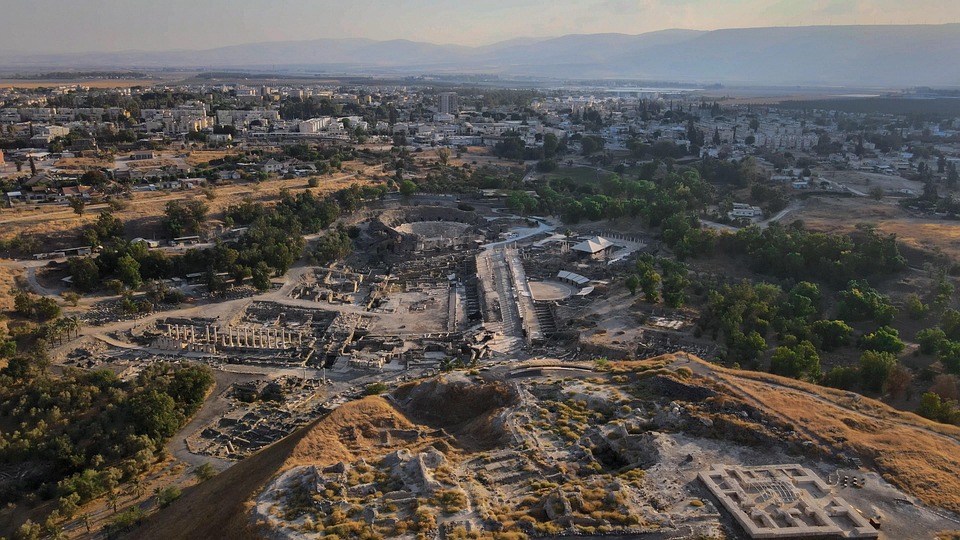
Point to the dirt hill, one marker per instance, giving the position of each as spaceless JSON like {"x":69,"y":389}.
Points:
{"x":218,"y":508}
{"x":666,"y":418}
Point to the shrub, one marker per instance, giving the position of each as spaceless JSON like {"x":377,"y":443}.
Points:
{"x":167,"y":495}
{"x":375,"y":389}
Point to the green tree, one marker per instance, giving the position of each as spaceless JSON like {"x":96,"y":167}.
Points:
{"x":94,"y":178}
{"x":930,"y":340}
{"x":632,"y":282}
{"x":85,"y":272}
{"x":746,"y":349}
{"x":29,"y":530}
{"x":885,"y":339}
{"x":842,"y":377}
{"x":184,"y":219}
{"x":650,"y":284}
{"x":915,"y":307}
{"x":831,"y":334}
{"x":46,"y":309}
{"x":675,"y":283}
{"x":408,"y":188}
{"x":521,"y":202}
{"x":860,"y":302}
{"x":550,"y":145}
{"x":68,"y":505}
{"x":935,"y":408}
{"x":78,"y":205}
{"x":443,"y":155}
{"x":261,"y":276}
{"x":805,"y":301}
{"x":949,"y":356}
{"x":875,"y":367}
{"x":950,"y":322}
{"x":155,"y":414}
{"x":591,"y":144}
{"x":128,"y":271}
{"x":800,"y":361}
{"x":375,"y":389}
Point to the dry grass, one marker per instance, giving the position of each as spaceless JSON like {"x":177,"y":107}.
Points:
{"x":8,"y":280}
{"x":81,"y":164}
{"x":351,"y":432}
{"x":205,"y":156}
{"x":917,"y":455}
{"x":219,"y":508}
{"x":929,"y":235}
{"x":60,"y":227}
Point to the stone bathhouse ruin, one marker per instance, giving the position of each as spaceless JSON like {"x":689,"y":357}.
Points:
{"x":784,"y":502}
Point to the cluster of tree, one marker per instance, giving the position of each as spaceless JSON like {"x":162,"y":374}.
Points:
{"x":652,"y":202}
{"x":31,"y":306}
{"x":332,"y":246}
{"x":861,"y":302}
{"x":730,"y":172}
{"x":671,"y":281}
{"x":746,"y":315}
{"x":662,"y":149}
{"x":325,"y":159}
{"x":183,"y":219}
{"x":465,"y":180}
{"x":938,"y":408}
{"x":876,"y":371}
{"x":514,"y":148}
{"x":132,"y":104}
{"x":793,"y":252}
{"x":272,"y":242}
{"x":94,"y":430}
{"x":943,"y":341}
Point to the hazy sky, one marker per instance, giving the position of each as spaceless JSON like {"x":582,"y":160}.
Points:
{"x":116,"y":25}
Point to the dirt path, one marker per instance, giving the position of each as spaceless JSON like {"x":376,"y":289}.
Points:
{"x":36,"y":286}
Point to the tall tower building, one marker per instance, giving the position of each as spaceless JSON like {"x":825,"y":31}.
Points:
{"x":448,"y":103}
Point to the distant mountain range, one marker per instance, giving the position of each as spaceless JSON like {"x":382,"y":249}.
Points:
{"x":908,"y":55}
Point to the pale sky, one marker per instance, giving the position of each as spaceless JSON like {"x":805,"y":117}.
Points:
{"x":56,"y":26}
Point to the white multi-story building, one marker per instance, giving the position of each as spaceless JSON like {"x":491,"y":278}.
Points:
{"x":449,"y":103}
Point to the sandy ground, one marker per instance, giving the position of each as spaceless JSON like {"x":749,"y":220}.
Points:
{"x":864,"y":181}
{"x":142,"y":214}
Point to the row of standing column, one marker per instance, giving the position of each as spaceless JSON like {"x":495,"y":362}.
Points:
{"x":264,"y":338}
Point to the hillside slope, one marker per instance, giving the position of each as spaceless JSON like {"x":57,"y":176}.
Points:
{"x":495,"y":452}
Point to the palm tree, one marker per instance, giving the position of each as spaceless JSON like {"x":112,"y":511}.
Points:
{"x":55,"y":329}
{"x":138,"y":488}
{"x":73,"y":324}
